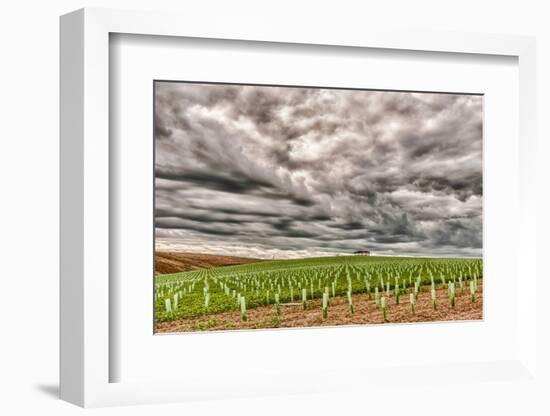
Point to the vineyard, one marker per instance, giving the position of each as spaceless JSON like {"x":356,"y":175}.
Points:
{"x":328,"y":290}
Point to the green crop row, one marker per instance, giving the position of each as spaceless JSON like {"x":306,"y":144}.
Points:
{"x":238,"y":288}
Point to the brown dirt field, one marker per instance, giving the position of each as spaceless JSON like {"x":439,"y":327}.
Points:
{"x":174,"y":262}
{"x":366,"y":312}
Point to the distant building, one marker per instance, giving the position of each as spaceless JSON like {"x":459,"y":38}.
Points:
{"x":362,"y":253}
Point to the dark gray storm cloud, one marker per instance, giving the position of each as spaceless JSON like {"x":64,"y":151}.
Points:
{"x":288,"y":172}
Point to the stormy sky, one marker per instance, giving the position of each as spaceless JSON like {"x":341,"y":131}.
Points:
{"x":279,"y":172}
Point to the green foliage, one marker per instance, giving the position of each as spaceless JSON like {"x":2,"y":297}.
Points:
{"x":203,"y":326}
{"x":223,"y":289}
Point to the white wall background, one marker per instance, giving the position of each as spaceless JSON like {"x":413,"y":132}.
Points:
{"x":29,"y":56}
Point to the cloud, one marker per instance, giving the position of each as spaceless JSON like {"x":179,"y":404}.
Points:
{"x":293,"y":171}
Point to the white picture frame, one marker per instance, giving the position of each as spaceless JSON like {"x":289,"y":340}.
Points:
{"x":85,"y":212}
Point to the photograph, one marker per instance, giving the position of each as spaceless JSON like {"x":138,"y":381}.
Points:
{"x":282,"y":206}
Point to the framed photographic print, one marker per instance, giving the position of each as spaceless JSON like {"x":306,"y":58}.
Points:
{"x":273,"y":212}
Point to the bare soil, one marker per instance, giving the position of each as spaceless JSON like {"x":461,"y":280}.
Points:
{"x":174,"y":262}
{"x":366,"y":312}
